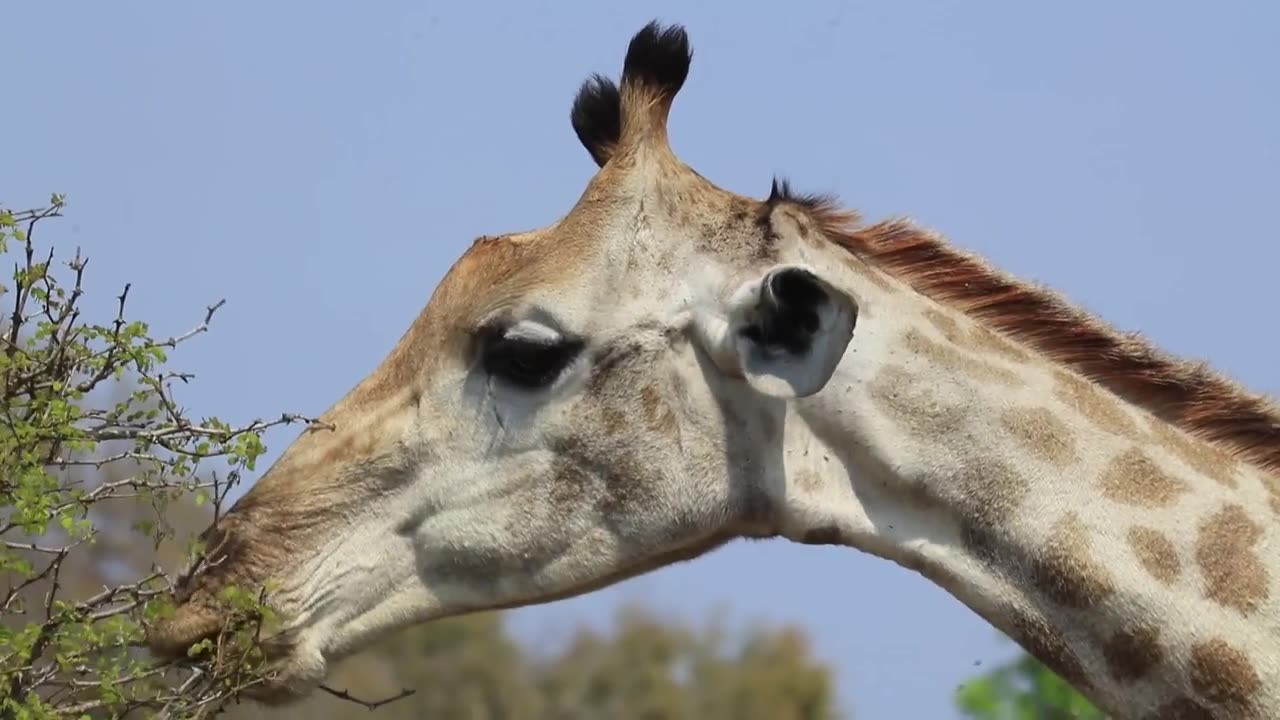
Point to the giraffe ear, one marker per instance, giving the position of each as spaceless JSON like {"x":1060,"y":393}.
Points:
{"x":789,"y":331}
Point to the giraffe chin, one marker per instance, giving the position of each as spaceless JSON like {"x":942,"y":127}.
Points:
{"x":169,"y":639}
{"x":289,"y":677}
{"x":292,"y":671}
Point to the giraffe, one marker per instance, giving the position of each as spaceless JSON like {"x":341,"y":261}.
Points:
{"x":671,"y":366}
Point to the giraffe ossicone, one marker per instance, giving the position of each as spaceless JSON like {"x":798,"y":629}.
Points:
{"x":671,"y":366}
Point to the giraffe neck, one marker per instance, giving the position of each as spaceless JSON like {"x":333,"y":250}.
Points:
{"x":1126,"y":555}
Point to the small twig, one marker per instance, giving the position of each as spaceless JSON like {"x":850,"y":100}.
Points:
{"x":158,"y":434}
{"x":34,"y":547}
{"x":202,"y":327}
{"x":367,"y":704}
{"x":196,"y":673}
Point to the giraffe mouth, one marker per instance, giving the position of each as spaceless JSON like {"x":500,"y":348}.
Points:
{"x":172,"y":638}
{"x":285,"y":673}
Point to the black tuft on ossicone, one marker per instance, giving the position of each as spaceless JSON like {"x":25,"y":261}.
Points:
{"x":658,"y":59}
{"x":597,"y":117}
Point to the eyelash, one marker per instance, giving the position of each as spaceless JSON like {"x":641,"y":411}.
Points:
{"x":527,"y":364}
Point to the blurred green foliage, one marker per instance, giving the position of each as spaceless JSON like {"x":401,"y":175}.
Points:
{"x":643,"y":668}
{"x":1023,"y":689}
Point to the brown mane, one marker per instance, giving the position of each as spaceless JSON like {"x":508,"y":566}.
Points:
{"x":1190,"y":395}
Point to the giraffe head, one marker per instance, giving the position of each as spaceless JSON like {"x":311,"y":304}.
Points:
{"x":575,"y":405}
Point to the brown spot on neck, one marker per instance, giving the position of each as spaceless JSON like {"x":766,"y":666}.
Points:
{"x":1271,"y":483}
{"x":987,"y":491}
{"x":944,"y":323}
{"x":974,"y":337}
{"x":984,"y":339}
{"x":958,"y":360}
{"x":912,"y":404}
{"x":1233,"y":574}
{"x":1202,"y":457}
{"x":1156,"y":553}
{"x":1222,"y":674}
{"x":1066,"y":572}
{"x":1041,"y":433}
{"x":1132,"y":653}
{"x":1095,"y":405}
{"x":986,"y":494}
{"x":1134,"y":479}
{"x":1043,"y":642}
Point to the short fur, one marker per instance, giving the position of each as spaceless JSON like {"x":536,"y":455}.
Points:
{"x":1190,"y":395}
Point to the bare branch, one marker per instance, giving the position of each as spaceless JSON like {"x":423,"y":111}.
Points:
{"x":35,"y":548}
{"x":202,"y":327}
{"x":368,"y":704}
{"x":122,"y":433}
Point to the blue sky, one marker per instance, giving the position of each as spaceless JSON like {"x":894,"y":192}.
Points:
{"x":321,"y":167}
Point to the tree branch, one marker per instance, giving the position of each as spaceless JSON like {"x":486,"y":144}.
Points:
{"x":368,"y":704}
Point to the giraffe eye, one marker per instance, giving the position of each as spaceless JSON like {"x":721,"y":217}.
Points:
{"x":528,"y":363}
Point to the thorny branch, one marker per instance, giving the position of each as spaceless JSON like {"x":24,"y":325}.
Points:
{"x":64,"y":459}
